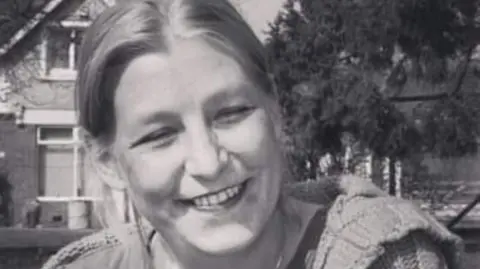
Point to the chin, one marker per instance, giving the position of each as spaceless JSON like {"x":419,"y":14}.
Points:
{"x":224,"y":241}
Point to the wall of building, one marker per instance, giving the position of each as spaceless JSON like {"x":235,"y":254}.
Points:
{"x":23,"y":70}
{"x":18,"y":145}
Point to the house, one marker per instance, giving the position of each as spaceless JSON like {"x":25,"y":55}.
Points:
{"x":40,"y":150}
{"x":42,"y":155}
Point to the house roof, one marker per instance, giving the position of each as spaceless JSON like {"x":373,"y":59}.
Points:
{"x":16,"y":27}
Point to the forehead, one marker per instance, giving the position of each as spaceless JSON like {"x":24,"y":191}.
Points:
{"x":186,"y":65}
{"x":189,"y":74}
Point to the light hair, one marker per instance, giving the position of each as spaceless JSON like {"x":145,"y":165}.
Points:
{"x":133,"y":28}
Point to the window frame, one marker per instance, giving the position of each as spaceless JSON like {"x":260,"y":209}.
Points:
{"x":75,"y":142}
{"x":57,"y":73}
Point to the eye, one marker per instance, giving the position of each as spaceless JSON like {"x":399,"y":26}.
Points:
{"x":160,"y":138}
{"x":234,"y":114}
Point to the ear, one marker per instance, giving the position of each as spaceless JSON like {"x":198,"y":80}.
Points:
{"x":103,"y":163}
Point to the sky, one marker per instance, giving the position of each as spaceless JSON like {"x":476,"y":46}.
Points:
{"x":259,"y":13}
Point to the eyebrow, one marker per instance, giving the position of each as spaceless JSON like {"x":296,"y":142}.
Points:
{"x":222,"y":96}
{"x":228,"y":93}
{"x":158,"y":116}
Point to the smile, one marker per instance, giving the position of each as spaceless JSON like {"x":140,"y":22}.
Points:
{"x":218,"y":199}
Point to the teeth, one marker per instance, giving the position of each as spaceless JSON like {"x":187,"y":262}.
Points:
{"x":222,"y":196}
{"x":217,"y":198}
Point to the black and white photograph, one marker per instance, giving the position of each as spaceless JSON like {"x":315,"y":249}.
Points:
{"x":239,"y":134}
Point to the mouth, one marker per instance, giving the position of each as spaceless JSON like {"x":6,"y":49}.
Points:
{"x":218,"y":200}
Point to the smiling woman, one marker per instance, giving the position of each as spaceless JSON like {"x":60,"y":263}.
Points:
{"x":179,"y":111}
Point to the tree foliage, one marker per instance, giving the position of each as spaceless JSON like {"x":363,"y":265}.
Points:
{"x":351,"y":66}
{"x":14,"y":14}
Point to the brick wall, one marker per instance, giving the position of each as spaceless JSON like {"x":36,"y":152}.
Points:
{"x":20,"y":163}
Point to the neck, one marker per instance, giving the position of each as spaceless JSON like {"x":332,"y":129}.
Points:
{"x":278,"y":241}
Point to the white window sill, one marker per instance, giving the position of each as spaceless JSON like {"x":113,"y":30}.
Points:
{"x":58,"y":74}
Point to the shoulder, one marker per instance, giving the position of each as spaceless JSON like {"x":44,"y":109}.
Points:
{"x":365,"y":227}
{"x":382,"y":218}
{"x":416,"y":250}
{"x":99,"y":249}
{"x":356,"y":205}
{"x":361,"y":222}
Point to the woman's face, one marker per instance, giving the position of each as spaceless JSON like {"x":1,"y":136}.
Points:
{"x":197,"y":148}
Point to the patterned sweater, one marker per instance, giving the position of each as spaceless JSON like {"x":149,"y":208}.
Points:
{"x":361,"y":228}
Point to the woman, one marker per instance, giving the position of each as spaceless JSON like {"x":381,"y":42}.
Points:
{"x":179,"y":111}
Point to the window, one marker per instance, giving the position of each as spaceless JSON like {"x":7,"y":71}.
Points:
{"x":66,"y":181}
{"x":62,"y":188}
{"x":59,"y":162}
{"x":60,"y":49}
{"x":56,"y":134}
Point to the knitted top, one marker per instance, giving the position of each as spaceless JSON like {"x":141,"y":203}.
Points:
{"x":360,"y":227}
{"x":366,"y":229}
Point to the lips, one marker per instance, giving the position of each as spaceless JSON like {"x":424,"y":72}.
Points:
{"x":217,"y":199}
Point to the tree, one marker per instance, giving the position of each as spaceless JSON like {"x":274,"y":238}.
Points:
{"x":350,"y":66}
{"x":14,"y":14}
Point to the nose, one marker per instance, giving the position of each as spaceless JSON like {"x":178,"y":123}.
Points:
{"x":206,"y":157}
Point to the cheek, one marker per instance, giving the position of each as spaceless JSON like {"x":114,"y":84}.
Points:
{"x":253,"y":141}
{"x":150,"y":176}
